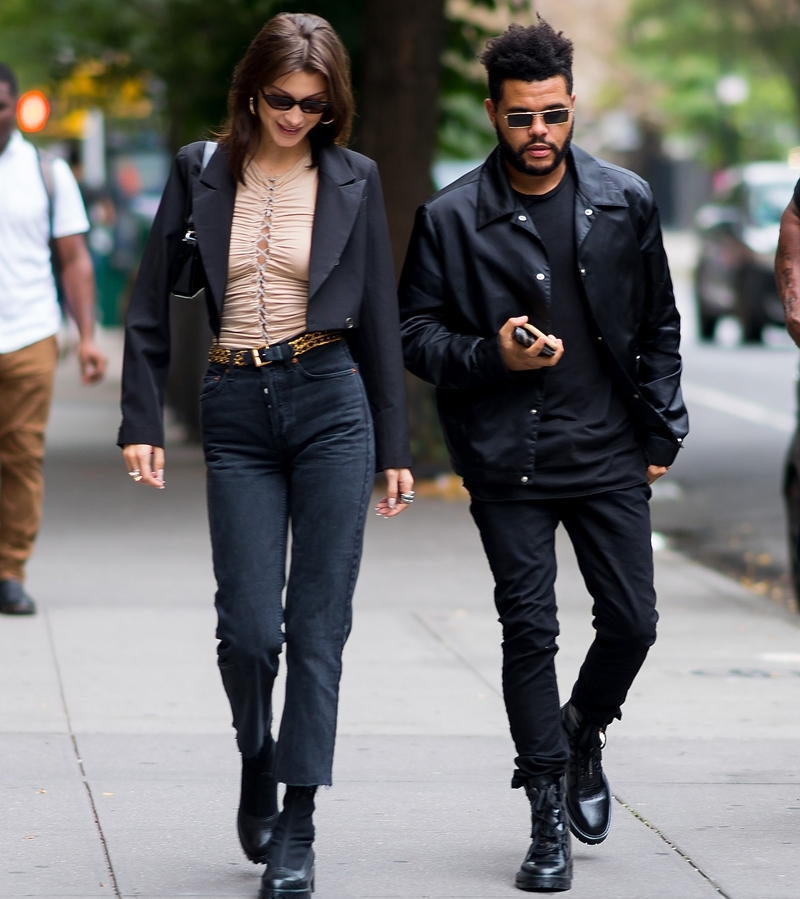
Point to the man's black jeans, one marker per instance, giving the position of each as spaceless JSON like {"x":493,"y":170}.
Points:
{"x":289,"y":442}
{"x":611,"y":536}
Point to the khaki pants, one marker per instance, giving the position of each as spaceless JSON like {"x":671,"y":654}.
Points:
{"x":26,"y":388}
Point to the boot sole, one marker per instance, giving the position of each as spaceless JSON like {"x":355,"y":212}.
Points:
{"x":282,"y":892}
{"x":589,"y":839}
{"x":559,"y":884}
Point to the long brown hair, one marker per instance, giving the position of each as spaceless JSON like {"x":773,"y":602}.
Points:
{"x":289,"y":42}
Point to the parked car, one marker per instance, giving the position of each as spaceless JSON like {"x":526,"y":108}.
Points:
{"x":738,"y":234}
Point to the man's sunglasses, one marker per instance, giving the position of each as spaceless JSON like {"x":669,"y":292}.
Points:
{"x":549,"y":117}
{"x":310,"y":107}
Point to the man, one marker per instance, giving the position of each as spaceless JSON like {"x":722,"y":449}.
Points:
{"x":787,"y":265}
{"x":544,"y":233}
{"x":30,"y":317}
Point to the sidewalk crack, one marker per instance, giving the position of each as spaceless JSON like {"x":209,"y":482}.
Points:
{"x":673,"y":846}
{"x":461,"y":658}
{"x":79,"y":759}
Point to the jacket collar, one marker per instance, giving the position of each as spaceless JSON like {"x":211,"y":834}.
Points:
{"x":497,"y":199}
{"x":338,"y":201}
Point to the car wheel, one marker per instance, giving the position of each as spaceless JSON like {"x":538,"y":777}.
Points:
{"x":792,"y":495}
{"x":749,"y":309}
{"x":706,"y":325}
{"x":706,"y":321}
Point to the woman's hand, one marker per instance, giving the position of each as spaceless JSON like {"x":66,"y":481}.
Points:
{"x":398,"y":481}
{"x":141,"y":469}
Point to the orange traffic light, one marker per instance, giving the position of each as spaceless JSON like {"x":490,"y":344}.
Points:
{"x":33,"y":110}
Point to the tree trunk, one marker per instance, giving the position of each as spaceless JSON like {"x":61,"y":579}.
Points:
{"x":400,"y":103}
{"x":404,"y":43}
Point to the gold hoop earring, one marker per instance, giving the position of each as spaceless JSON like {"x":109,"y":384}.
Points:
{"x":252,"y":106}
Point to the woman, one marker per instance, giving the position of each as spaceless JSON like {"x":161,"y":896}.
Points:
{"x":292,"y":236}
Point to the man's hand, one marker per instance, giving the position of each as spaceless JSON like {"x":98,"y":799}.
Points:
{"x":77,"y":276}
{"x":787,"y":269}
{"x":654,"y":472}
{"x":93,"y":362}
{"x":520,"y":358}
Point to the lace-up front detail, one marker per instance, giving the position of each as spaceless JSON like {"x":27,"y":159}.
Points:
{"x":266,"y":299}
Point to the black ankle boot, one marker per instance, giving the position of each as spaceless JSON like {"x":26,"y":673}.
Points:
{"x":258,"y":804}
{"x":290,"y":857}
{"x":588,"y":792}
{"x":548,"y":865}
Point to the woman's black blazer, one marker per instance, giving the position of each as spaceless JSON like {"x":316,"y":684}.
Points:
{"x":351,"y":287}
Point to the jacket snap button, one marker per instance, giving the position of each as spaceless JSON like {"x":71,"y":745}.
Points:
{"x":524,"y":479}
{"x":523,"y":218}
{"x":348,"y":323}
{"x":599,"y":339}
{"x":540,"y":277}
{"x":583,"y":271}
{"x":533,"y":411}
{"x":588,"y":212}
{"x":636,"y":396}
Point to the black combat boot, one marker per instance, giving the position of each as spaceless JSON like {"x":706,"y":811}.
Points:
{"x":290,"y":857}
{"x":548,"y":865}
{"x":588,"y":792}
{"x":258,"y":804}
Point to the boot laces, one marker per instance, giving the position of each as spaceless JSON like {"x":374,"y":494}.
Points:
{"x":587,"y":758}
{"x":548,"y":828}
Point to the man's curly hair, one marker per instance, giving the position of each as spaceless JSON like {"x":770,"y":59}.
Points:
{"x":535,"y":53}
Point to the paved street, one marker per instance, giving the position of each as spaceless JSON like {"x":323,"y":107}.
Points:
{"x":120,"y":774}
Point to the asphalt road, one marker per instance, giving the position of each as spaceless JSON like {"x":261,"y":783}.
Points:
{"x":721,"y":503}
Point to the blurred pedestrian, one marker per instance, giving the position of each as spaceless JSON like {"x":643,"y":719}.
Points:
{"x":41,"y":212}
{"x":787,"y":265}
{"x":551,"y":429}
{"x":303,"y":392}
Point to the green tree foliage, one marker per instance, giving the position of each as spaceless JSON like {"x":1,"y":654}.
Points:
{"x":684,"y":49}
{"x":189,"y":46}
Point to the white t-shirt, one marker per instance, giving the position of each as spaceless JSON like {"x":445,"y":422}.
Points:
{"x":29,"y":309}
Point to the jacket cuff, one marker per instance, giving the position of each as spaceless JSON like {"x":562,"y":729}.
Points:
{"x":660,"y":450}
{"x":126,"y":435}
{"x":490,"y":360}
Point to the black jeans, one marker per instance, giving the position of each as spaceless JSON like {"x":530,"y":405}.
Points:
{"x":289,"y":442}
{"x":611,"y":536}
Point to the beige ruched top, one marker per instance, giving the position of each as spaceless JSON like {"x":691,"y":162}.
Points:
{"x":266,"y":299}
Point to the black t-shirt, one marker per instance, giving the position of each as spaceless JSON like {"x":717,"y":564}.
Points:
{"x":587,"y":441}
{"x":797,"y":195}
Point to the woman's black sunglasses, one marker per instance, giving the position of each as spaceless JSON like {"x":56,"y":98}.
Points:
{"x":310,"y":107}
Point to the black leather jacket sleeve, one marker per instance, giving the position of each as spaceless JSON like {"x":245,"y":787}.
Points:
{"x":659,"y":363}
{"x":450,"y":361}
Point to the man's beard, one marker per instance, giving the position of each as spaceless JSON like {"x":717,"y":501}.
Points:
{"x":516,"y":158}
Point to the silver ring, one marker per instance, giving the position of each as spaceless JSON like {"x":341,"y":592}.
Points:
{"x":407,"y":498}
{"x":134,"y":473}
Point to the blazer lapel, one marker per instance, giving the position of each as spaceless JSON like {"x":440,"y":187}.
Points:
{"x":212,"y":207}
{"x":339,"y":196}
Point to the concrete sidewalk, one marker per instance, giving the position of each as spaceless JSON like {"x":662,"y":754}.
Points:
{"x":120,"y":770}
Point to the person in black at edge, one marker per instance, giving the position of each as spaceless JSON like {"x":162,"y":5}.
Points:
{"x":544,"y":233}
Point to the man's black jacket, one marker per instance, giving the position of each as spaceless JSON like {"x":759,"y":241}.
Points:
{"x":351,"y":287}
{"x":475,"y":260}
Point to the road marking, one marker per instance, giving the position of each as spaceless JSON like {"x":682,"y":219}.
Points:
{"x":738,"y":407}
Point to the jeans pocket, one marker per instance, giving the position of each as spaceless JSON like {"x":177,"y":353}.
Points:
{"x":213,"y":382}
{"x":330,"y":361}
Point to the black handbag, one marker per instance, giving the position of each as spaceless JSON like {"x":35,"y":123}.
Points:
{"x":191,"y":278}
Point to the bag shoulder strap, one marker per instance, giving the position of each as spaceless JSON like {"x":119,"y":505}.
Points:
{"x":45,"y":161}
{"x":208,"y":151}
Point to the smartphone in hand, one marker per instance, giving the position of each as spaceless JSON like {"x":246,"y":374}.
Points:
{"x":527,"y":335}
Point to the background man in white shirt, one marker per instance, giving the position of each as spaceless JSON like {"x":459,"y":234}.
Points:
{"x":30,"y":317}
